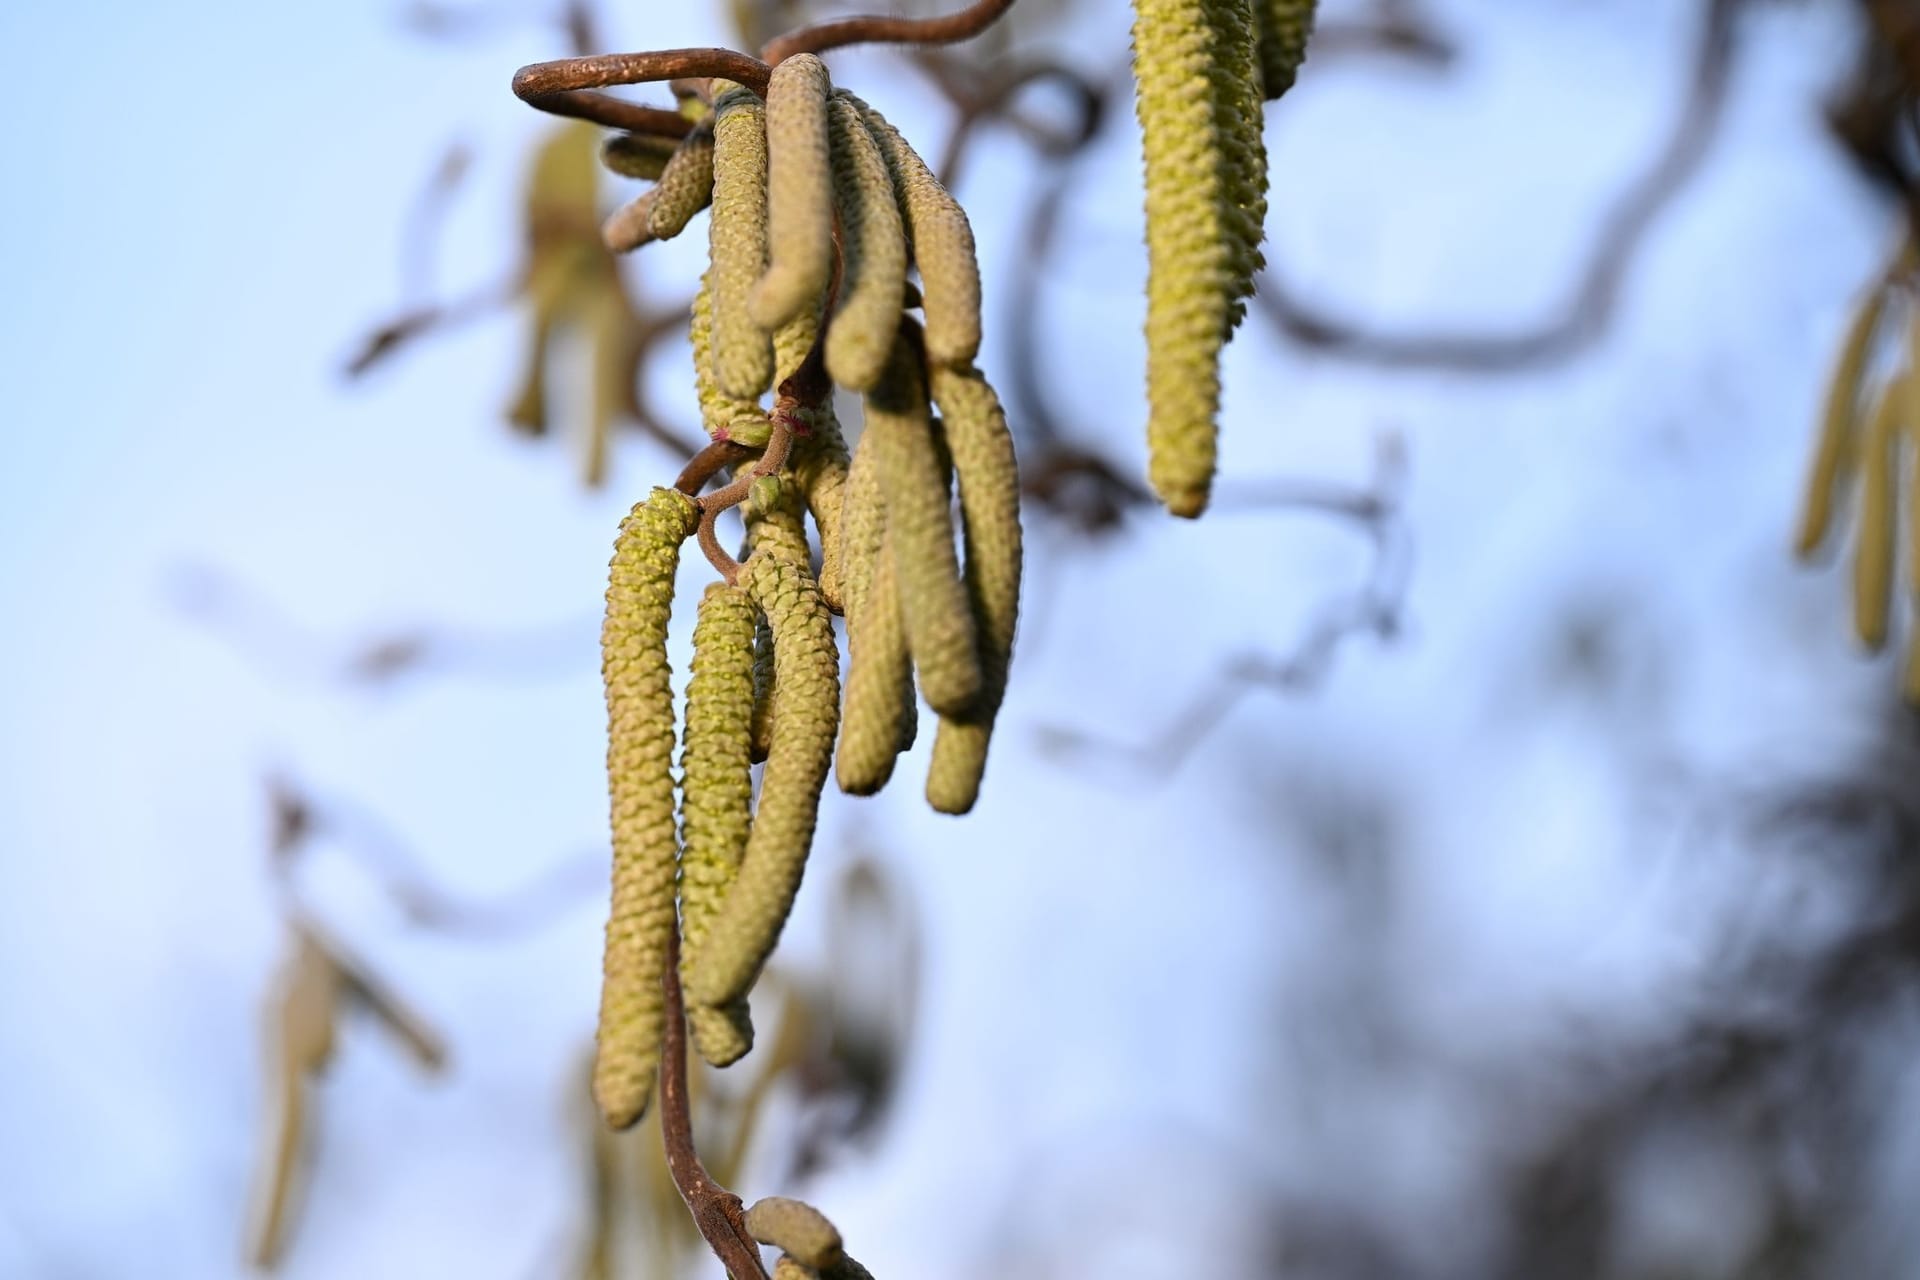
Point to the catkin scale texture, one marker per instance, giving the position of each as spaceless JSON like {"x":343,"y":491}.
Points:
{"x":984,"y":464}
{"x":637,"y":155}
{"x":873,"y":249}
{"x":686,"y":185}
{"x":716,"y":801}
{"x":775,"y":528}
{"x":799,"y":193}
{"x":919,"y":529}
{"x":1240,"y":111}
{"x":640,"y":783}
{"x":878,"y":720}
{"x":1191,"y":245}
{"x":726,"y":417}
{"x":808,"y":673}
{"x":737,"y":244}
{"x":820,"y":468}
{"x":942,"y":242}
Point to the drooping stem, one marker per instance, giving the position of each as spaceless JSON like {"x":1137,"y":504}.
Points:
{"x":716,"y":1211}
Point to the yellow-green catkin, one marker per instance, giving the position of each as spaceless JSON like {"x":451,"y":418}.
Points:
{"x":942,"y":242}
{"x":1242,"y":119}
{"x":787,"y":1267}
{"x":796,"y":1228}
{"x":726,"y":417}
{"x":640,"y":782}
{"x":919,"y":528}
{"x":983,"y":462}
{"x":1874,"y":553}
{"x":1191,"y":248}
{"x":631,"y":225}
{"x":686,"y":185}
{"x":879,"y":718}
{"x":808,"y":673}
{"x":1835,"y":450}
{"x":774,"y":527}
{"x":612,"y":326}
{"x":820,"y":466}
{"x":874,"y":252}
{"x":637,"y":155}
{"x":799,"y":193}
{"x":716,"y":795}
{"x":742,"y":356}
{"x":1285,"y":27}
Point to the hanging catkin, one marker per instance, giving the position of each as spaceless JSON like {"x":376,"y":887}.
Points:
{"x":1285,"y":26}
{"x":808,"y":675}
{"x":716,"y":795}
{"x":799,"y":193}
{"x":1192,"y":253}
{"x":725,"y":417}
{"x":1242,"y":118}
{"x":1838,"y":446}
{"x":796,"y":1228}
{"x":983,"y":463}
{"x":820,"y":467}
{"x":942,"y":242}
{"x":742,"y":355}
{"x":774,"y":527}
{"x":640,"y":782}
{"x":1874,"y":553}
{"x":919,"y":529}
{"x":873,"y":250}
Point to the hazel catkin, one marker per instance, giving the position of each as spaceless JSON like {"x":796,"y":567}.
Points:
{"x":1192,"y":250}
{"x":1874,"y":552}
{"x":799,"y":193}
{"x":1837,"y":446}
{"x":873,"y":250}
{"x":796,"y":1228}
{"x":742,"y":355}
{"x":716,"y":795}
{"x":640,"y":783}
{"x":984,"y":465}
{"x":919,"y":528}
{"x":807,"y":669}
{"x":1285,"y":26}
{"x":942,"y":242}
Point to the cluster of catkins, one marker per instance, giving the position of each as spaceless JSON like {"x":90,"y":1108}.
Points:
{"x":1861,"y":442}
{"x":1203,"y":71}
{"x":819,"y":208}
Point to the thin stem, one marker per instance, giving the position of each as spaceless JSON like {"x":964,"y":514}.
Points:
{"x":541,"y":81}
{"x":779,"y":444}
{"x":716,"y":1210}
{"x":876,"y":29}
{"x":615,"y":113}
{"x":708,"y":463}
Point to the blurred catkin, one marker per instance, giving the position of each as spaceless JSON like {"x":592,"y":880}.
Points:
{"x":1192,"y":245}
{"x":942,"y":242}
{"x":796,"y":1228}
{"x":807,"y":670}
{"x":1837,"y":445}
{"x":983,"y":462}
{"x":637,"y":155}
{"x":1285,"y":26}
{"x":1874,"y":552}
{"x":799,"y":193}
{"x":640,"y":781}
{"x":873,"y":250}
{"x":716,"y":795}
{"x":742,"y":355}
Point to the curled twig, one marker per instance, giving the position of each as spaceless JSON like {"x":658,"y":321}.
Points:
{"x":875,"y":29}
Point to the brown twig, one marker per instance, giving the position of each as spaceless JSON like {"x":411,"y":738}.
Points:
{"x":707,"y":464}
{"x":734,"y":493}
{"x":1591,"y":310}
{"x":878,"y":29}
{"x":565,"y":81}
{"x":716,"y":1211}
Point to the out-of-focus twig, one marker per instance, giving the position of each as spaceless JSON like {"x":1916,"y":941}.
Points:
{"x":1375,"y":609}
{"x":1589,"y":313}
